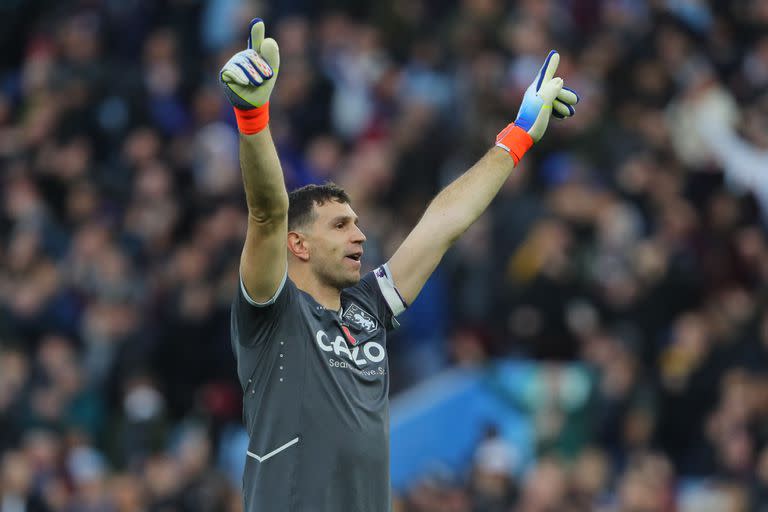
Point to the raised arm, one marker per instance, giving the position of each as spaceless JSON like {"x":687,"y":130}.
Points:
{"x":457,"y":206}
{"x":248,"y":78}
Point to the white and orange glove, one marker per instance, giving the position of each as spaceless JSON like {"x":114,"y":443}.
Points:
{"x":249,"y":77}
{"x":544,"y":98}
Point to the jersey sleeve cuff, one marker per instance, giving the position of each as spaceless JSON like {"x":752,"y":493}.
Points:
{"x":393,"y":298}
{"x":271,"y":301}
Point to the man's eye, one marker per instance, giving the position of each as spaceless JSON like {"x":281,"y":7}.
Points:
{"x":339,"y":225}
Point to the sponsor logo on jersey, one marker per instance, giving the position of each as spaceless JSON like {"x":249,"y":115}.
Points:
{"x":370,"y":352}
{"x":355,"y":315}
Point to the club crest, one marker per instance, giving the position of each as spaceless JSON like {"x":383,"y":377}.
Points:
{"x":355,"y":315}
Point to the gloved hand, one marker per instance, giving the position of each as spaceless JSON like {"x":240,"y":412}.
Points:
{"x":249,"y":77}
{"x":545,"y":92}
{"x":562,"y":107}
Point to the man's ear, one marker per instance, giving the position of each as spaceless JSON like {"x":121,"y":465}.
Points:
{"x":297,"y":244}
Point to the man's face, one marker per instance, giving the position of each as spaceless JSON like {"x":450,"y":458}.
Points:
{"x":336,"y":244}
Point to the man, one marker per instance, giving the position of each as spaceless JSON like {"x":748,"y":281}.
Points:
{"x":308,"y":332}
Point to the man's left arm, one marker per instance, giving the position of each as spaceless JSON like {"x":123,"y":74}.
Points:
{"x":460,"y":204}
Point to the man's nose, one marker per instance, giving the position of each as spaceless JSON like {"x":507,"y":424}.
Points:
{"x":357,"y":235}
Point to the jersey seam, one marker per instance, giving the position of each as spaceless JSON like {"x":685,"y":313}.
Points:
{"x":300,"y":445}
{"x":250,"y":385}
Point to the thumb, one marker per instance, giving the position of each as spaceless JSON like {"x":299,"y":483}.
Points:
{"x":548,"y":69}
{"x":550,"y":90}
{"x":271,"y":53}
{"x":256,"y":34}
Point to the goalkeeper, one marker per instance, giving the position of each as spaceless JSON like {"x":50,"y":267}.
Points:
{"x":308,"y":331}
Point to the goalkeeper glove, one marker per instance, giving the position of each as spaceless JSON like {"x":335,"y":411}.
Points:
{"x":545,"y":93}
{"x":562,"y":107}
{"x":249,"y":77}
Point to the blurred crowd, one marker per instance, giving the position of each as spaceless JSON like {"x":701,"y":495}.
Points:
{"x":632,"y":238}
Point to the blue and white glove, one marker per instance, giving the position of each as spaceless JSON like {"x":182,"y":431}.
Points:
{"x":562,"y":107}
{"x":249,"y":77}
{"x":545,"y":97}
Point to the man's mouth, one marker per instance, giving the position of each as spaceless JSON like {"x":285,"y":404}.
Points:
{"x":355,"y":256}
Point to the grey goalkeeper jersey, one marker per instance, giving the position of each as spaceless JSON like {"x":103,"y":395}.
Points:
{"x":315,"y":403}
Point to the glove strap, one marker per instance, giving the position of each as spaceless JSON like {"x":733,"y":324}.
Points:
{"x":253,"y":120}
{"x":515,"y":141}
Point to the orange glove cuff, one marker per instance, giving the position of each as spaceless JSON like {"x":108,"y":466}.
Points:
{"x":515,"y":141}
{"x":253,"y":120}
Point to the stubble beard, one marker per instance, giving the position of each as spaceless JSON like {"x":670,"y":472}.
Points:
{"x":334,"y":276}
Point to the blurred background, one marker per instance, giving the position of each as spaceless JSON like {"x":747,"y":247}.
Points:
{"x":597,"y":341}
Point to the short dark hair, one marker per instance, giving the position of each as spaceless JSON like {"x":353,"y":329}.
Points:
{"x":301,"y":202}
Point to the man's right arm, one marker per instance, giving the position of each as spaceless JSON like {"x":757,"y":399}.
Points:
{"x":263,"y":260}
{"x":248,"y":79}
